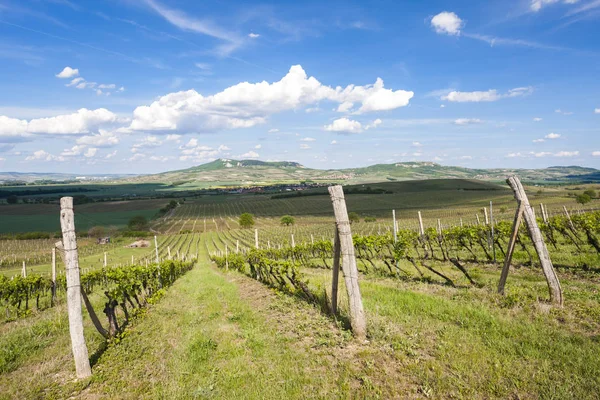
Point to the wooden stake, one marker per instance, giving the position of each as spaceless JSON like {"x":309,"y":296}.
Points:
{"x":105,"y":260}
{"x":487,"y":222}
{"x":394,"y":221}
{"x":24,"y":270}
{"x":293,"y":242}
{"x":169,"y":251}
{"x":569,"y":218}
{"x":554,"y":288}
{"x":357,"y":313}
{"x":492,"y":231}
{"x":336,"y":271}
{"x":156,"y":248}
{"x":237,"y":246}
{"x":511,"y":246}
{"x":421,"y":229}
{"x":477,"y":216}
{"x":256,"y":238}
{"x":226,"y":258}
{"x":80,"y":352}
{"x":439,"y":227}
{"x":53,"y":300}
{"x":312,"y":239}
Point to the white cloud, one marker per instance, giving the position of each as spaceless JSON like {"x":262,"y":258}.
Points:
{"x":447,"y":23}
{"x":344,"y":125}
{"x":147,"y":141}
{"x":442,"y":106}
{"x":248,"y":104}
{"x":537,"y":119}
{"x":91,"y":152}
{"x":75,"y":82}
{"x":173,"y":138}
{"x":566,"y":154}
{"x":308,"y":139}
{"x":304,"y":146}
{"x":273,"y":130}
{"x":136,"y":157}
{"x":333,"y":142}
{"x":258,"y":146}
{"x":552,"y":136}
{"x":107,"y":86}
{"x":537,"y":5}
{"x":83,"y":121}
{"x":513,"y":155}
{"x":597,"y":111}
{"x":466,"y":157}
{"x":67,"y":72}
{"x":223,"y":148}
{"x":161,"y":158}
{"x":312,"y":109}
{"x":417,"y":144}
{"x":43,"y":155}
{"x":490,"y":95}
{"x":539,"y":140}
{"x":559,"y":111}
{"x":253,"y":35}
{"x":202,"y":66}
{"x":467,"y":121}
{"x":103,"y":139}
{"x":373,"y":124}
{"x":250,"y":154}
{"x":111,"y":155}
{"x":73,"y":151}
{"x":596,"y":154}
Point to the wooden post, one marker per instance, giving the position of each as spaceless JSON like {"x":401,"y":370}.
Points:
{"x":105,"y":263}
{"x":569,"y":219}
{"x":357,"y":313}
{"x":132,"y":260}
{"x":80,"y":352}
{"x":394,"y":221}
{"x":226,"y":258}
{"x":478,"y":222}
{"x":256,"y":238}
{"x":511,"y":246}
{"x":336,"y":271}
{"x":293,"y":242}
{"x":156,"y":248}
{"x":461,"y":222}
{"x":269,"y":244}
{"x":237,"y":246}
{"x":439,"y":227}
{"x":421,"y":229}
{"x":312,"y":239}
{"x":24,"y":270}
{"x":492,"y":231}
{"x":487,"y":221}
{"x":169,"y":251}
{"x":538,"y":242}
{"x":53,"y":300}
{"x":542,"y":211}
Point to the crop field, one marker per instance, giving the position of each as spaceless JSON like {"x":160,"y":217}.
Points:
{"x":232,"y":312}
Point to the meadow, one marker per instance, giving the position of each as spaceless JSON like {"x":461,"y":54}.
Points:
{"x":434,"y":331}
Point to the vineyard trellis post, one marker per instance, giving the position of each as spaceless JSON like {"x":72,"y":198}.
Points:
{"x":105,"y":263}
{"x":336,"y":271}
{"x":293,"y":241}
{"x":394,"y":221}
{"x":569,"y":218}
{"x":511,"y":246}
{"x":492,"y":231}
{"x":421,"y":229}
{"x":80,"y":352}
{"x":478,"y":222}
{"x":156,"y":248}
{"x":237,"y":246}
{"x":349,"y":267}
{"x":554,"y":287}
{"x":226,"y":258}
{"x":169,"y":251}
{"x":256,"y":238}
{"x":24,"y":270}
{"x":53,"y":298}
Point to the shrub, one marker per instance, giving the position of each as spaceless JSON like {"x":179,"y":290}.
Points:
{"x":246,"y":220}
{"x":583,"y":198}
{"x":287,"y":220}
{"x":370,"y":219}
{"x":591,"y":193}
{"x":353,"y":217}
{"x":138,"y":223}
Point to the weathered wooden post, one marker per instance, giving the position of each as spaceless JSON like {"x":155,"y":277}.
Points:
{"x":132,"y":260}
{"x":439,"y":227}
{"x":569,"y":219}
{"x":357,"y":313}
{"x":492,"y":231}
{"x":293,"y":242}
{"x":105,"y":263}
{"x":53,"y":299}
{"x":256,"y":238}
{"x":485,"y":213}
{"x":312,"y":239}
{"x":336,"y":271}
{"x":538,"y":241}
{"x":421,"y":228}
{"x":169,"y":252}
{"x":511,"y":246}
{"x":24,"y":270}
{"x":394,"y":222}
{"x":80,"y":352}
{"x":156,"y":248}
{"x":461,"y":222}
{"x":226,"y":258}
{"x":478,"y":222}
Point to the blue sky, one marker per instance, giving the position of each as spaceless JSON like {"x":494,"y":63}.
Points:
{"x":141,"y":86}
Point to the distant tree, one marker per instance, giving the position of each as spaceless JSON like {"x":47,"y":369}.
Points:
{"x":96,"y":232}
{"x":12,"y":199}
{"x":353,"y":217}
{"x":138,"y":223}
{"x":112,"y":230}
{"x":370,"y":219}
{"x":287,"y":220}
{"x":503,"y":209}
{"x":591,"y":193}
{"x":246,"y":220}
{"x":583,"y":198}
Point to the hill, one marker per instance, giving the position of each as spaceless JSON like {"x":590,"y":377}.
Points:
{"x":228,"y":172}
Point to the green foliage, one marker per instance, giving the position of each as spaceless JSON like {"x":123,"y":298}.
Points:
{"x":96,"y":231}
{"x":591,"y":192}
{"x":353,"y":217}
{"x":138,"y":223}
{"x":12,"y":199}
{"x":287,"y":220}
{"x":370,"y":219}
{"x":246,"y":220}
{"x":583,"y":198}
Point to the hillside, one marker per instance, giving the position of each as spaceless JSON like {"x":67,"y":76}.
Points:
{"x":227,"y":172}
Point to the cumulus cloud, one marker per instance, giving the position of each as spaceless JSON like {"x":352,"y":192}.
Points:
{"x":103,"y":139}
{"x":537,"y":119}
{"x":597,"y":111}
{"x":81,"y":122}
{"x":447,"y":23}
{"x":147,"y":141}
{"x":539,"y":140}
{"x":250,"y":154}
{"x":344,"y":125}
{"x":486,"y":96}
{"x":308,"y":139}
{"x":258,"y":146}
{"x":552,"y":136}
{"x":73,"y":151}
{"x":566,"y":154}
{"x":559,"y":111}
{"x":248,"y":104}
{"x":467,"y":121}
{"x":373,"y":124}
{"x":160,"y":158}
{"x":111,"y":155}
{"x":253,"y":35}
{"x":596,"y":154}
{"x":333,"y":142}
{"x":304,"y":146}
{"x":223,"y":148}
{"x":91,"y":152}
{"x":173,"y":138}
{"x":417,"y":144}
{"x":68,"y":72}
{"x":42,"y":155}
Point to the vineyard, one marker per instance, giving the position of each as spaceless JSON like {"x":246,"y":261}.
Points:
{"x":222,"y":298}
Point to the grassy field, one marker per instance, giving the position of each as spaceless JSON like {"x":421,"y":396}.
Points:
{"x":224,"y":335}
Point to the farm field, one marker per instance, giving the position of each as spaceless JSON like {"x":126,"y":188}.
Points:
{"x":249,"y":322}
